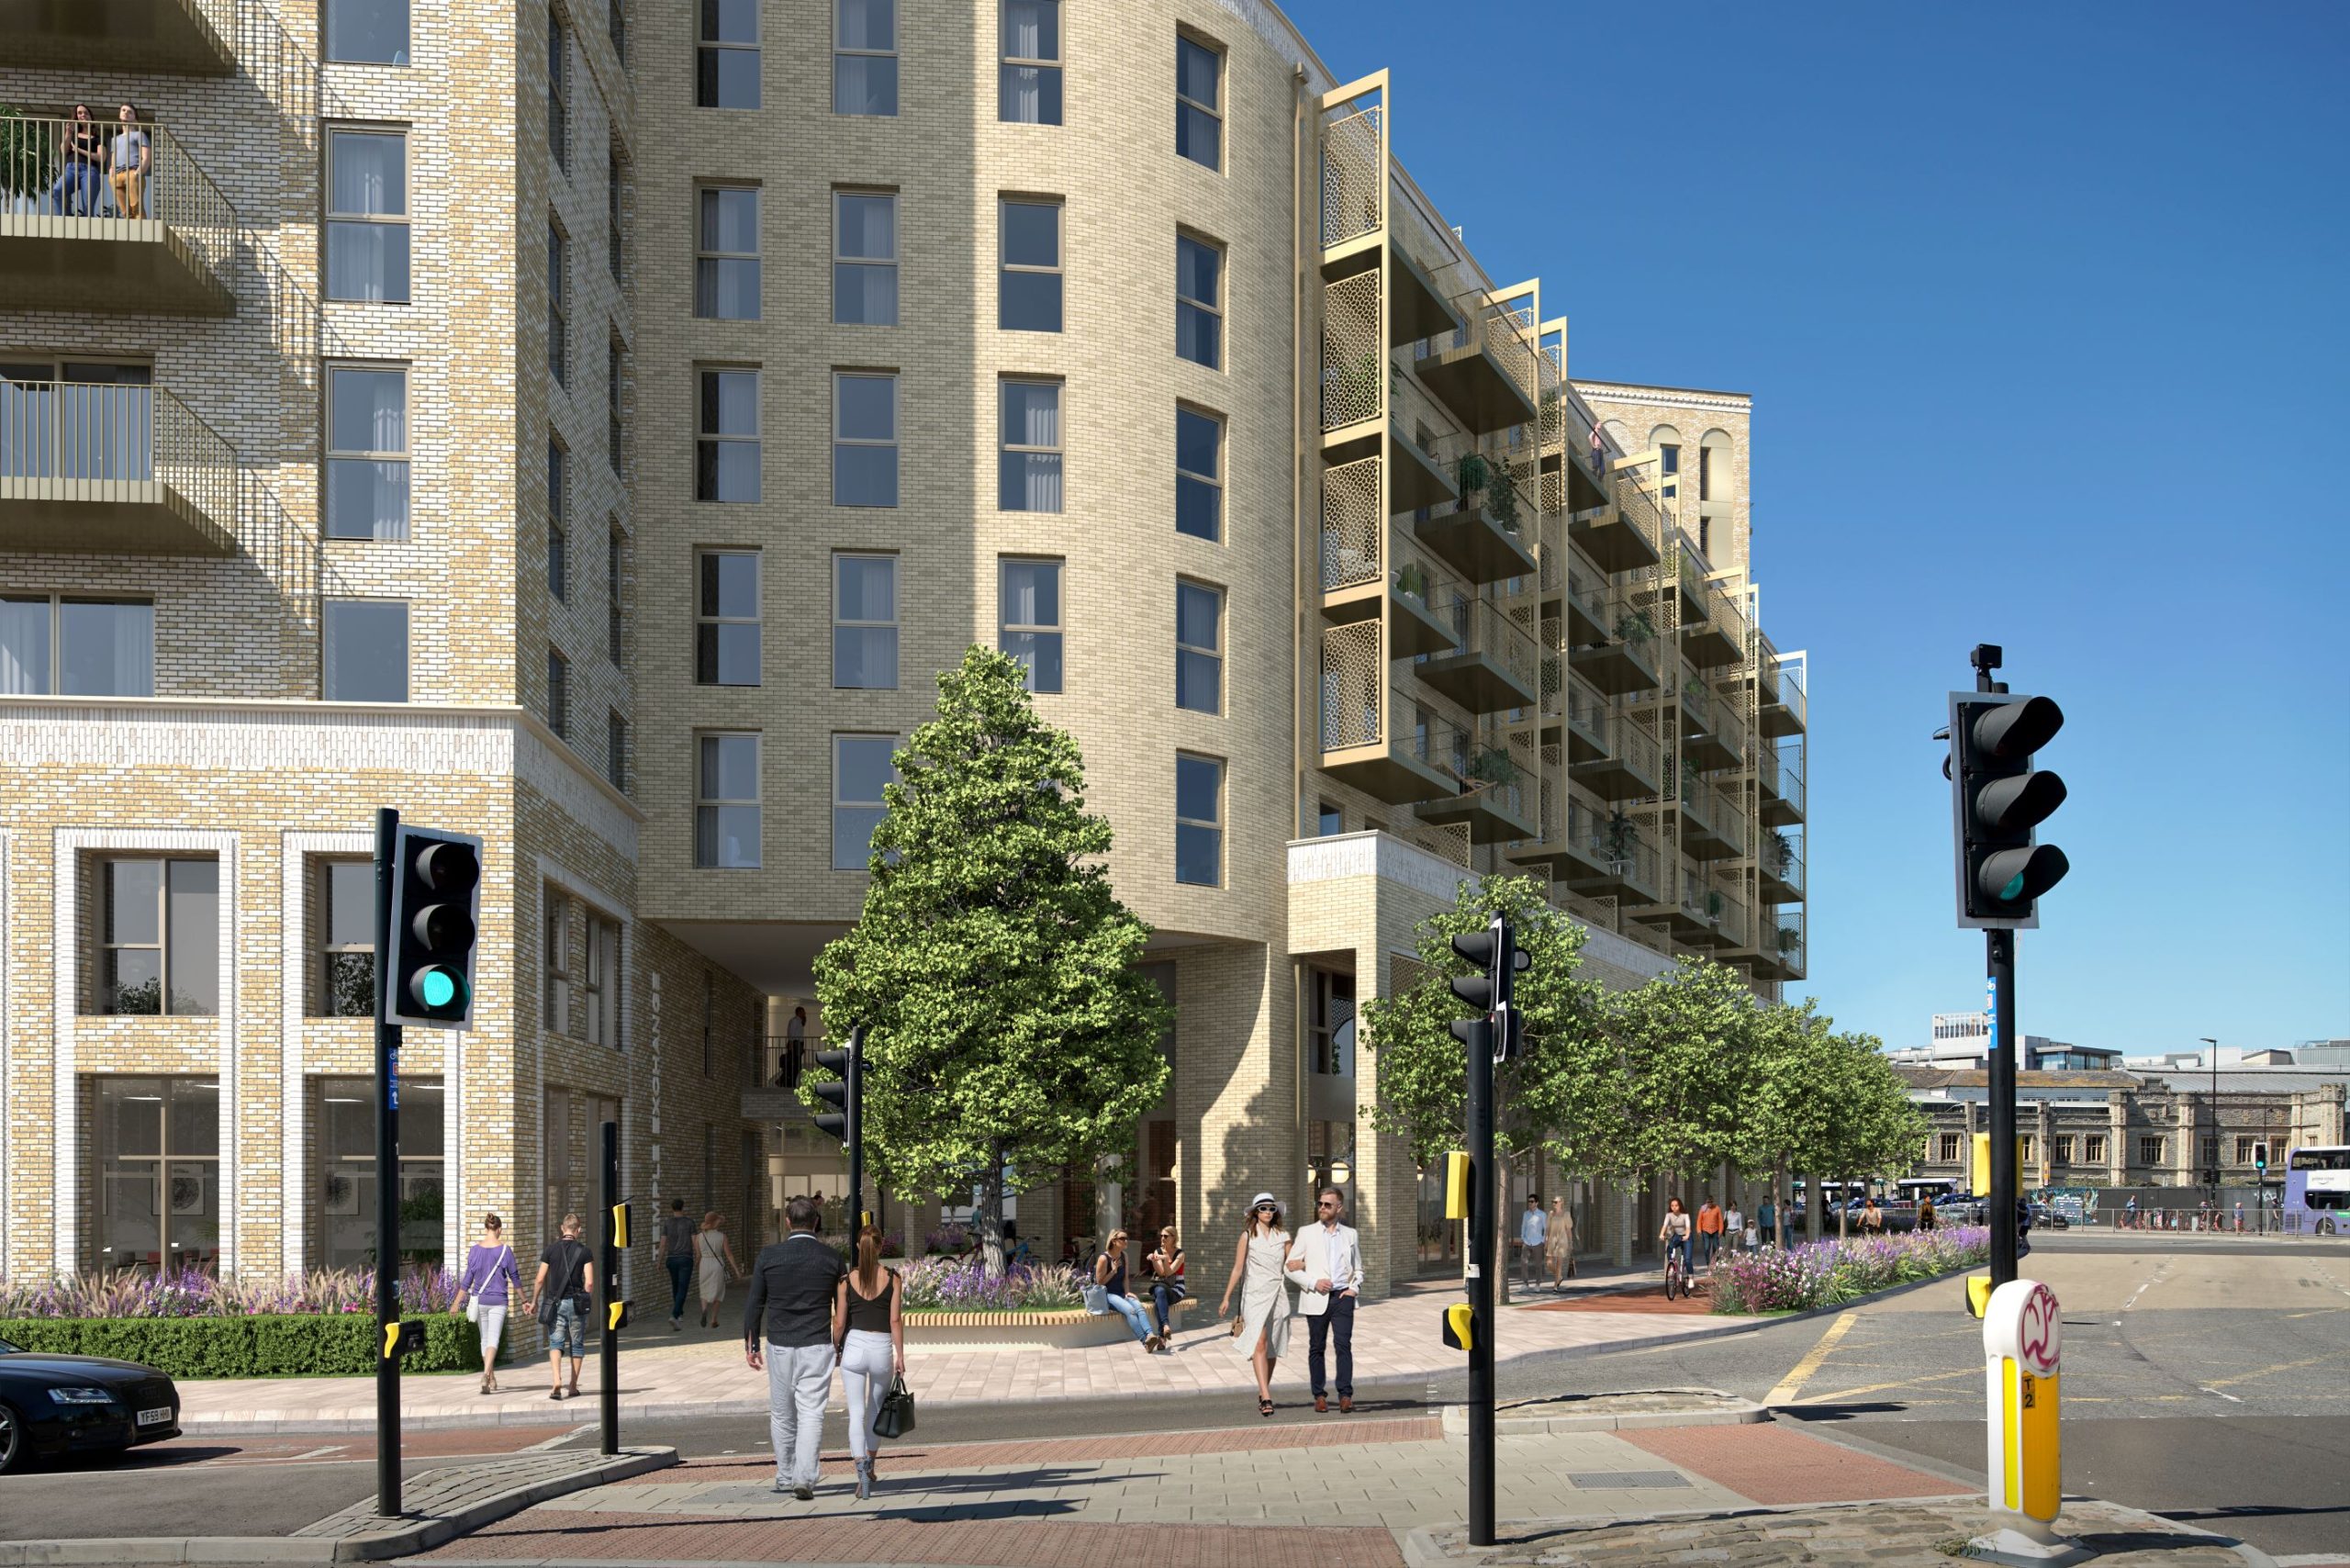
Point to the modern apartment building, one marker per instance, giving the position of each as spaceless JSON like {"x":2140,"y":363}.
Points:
{"x":592,"y":426}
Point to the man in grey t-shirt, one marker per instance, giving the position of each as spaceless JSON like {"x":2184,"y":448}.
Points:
{"x":677,"y":1257}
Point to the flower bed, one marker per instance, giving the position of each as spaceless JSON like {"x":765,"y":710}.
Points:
{"x":946,"y":1285}
{"x":1827,"y":1274}
{"x":194,"y":1325}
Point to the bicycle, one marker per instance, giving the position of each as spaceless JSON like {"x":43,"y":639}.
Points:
{"x":1676,"y":1279}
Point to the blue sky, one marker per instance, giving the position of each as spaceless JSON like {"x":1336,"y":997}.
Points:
{"x":2062,"y":285}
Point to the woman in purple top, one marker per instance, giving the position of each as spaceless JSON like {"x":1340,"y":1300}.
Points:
{"x":490,"y":1280}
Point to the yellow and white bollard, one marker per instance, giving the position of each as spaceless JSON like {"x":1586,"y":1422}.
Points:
{"x":2022,"y":1335}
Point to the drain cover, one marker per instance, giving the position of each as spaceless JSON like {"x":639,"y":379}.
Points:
{"x":1625,"y":1480}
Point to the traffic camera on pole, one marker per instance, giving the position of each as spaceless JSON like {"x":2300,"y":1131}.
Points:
{"x":846,"y":1090}
{"x":436,"y":907}
{"x":1495,"y":951}
{"x":1997,"y":802}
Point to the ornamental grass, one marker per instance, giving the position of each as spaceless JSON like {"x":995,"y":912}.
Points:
{"x":1830,"y":1273}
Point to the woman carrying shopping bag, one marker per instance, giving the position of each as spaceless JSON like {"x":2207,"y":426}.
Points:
{"x":870,"y":1335}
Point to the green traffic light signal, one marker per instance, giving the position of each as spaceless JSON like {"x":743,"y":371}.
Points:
{"x":1997,"y":802}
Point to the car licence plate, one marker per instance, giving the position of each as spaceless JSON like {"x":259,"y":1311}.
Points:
{"x":155,"y":1417}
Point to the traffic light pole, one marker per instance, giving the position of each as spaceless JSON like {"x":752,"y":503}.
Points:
{"x":387,"y":1186}
{"x":856,"y":1139}
{"x":608,"y":1276}
{"x":1484,"y":1199}
{"x":1999,"y":962}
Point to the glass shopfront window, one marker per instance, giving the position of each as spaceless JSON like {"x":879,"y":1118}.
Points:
{"x":343,"y":1172}
{"x":156,"y":1186}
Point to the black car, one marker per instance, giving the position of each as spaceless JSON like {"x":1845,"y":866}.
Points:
{"x":64,"y":1404}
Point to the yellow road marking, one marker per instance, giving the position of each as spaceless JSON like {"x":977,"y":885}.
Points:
{"x":1812,"y":1359}
{"x":1880,"y":1387}
{"x":2264,"y":1371}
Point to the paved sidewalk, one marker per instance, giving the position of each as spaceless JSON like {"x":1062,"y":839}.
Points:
{"x":1371,"y":1494}
{"x":667,"y":1375}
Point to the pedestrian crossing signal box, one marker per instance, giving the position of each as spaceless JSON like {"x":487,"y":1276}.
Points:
{"x":403,"y":1340}
{"x":1456,"y":1187}
{"x":1982,"y":1186}
{"x":618,"y":1313}
{"x":1460,"y":1326}
{"x":1978,"y":1294}
{"x":620,"y":1227}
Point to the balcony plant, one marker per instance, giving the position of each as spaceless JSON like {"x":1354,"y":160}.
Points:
{"x":1635,"y":627}
{"x":1503,"y":506}
{"x":1617,"y":841}
{"x":1783,"y":853}
{"x":1412,"y":581}
{"x":1787,"y":940}
{"x":27,"y":159}
{"x":1491,"y":764}
{"x":1471,"y":474}
{"x":1713,"y":904}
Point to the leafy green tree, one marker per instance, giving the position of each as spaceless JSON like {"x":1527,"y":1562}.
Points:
{"x":1877,"y":1131}
{"x":1788,"y":1123}
{"x":1009,"y":1032}
{"x":1687,"y":1039}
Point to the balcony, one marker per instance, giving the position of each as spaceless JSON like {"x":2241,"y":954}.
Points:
{"x":108,"y":468}
{"x":1713,"y":735}
{"x":1627,"y":768}
{"x":1624,"y":533}
{"x":1605,"y":854}
{"x":1484,"y":372}
{"x":1720,"y":638}
{"x":1583,"y":480}
{"x":1375,"y":736}
{"x":1782,"y":957}
{"x":1590,"y":722}
{"x":1779,"y":773}
{"x":1368,"y":568}
{"x":1587,"y":599}
{"x":1705,"y":913}
{"x":65,"y":246}
{"x":1486,"y":533}
{"x":175,"y":37}
{"x":1494,"y":663}
{"x":1784,"y":708}
{"x":1778,"y":857}
{"x":1712,"y":822}
{"x":1628,"y":659}
{"x":1500,"y":787}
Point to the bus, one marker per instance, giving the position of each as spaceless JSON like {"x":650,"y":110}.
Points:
{"x":2317,"y":1189}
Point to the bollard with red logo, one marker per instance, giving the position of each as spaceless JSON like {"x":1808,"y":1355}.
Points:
{"x":2023,"y":1333}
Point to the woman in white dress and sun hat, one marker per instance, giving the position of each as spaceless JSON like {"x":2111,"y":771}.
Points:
{"x":1262,"y":1331}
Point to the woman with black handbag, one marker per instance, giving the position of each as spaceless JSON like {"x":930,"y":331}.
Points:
{"x":869,"y":1334}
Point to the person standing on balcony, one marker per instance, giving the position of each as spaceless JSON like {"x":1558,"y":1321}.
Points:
{"x":133,"y":157}
{"x":84,"y":157}
{"x":795,"y":1047}
{"x":1598,"y":450}
{"x":677,"y":1257}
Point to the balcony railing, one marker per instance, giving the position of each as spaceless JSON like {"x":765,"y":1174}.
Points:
{"x":1781,"y":855}
{"x":69,"y":243}
{"x":777,"y":1061}
{"x":1428,"y":734}
{"x":90,"y":465}
{"x":1789,"y":937}
{"x":1354,"y":171}
{"x":1612,"y":841}
{"x":1480,"y":630}
{"x":1780,"y":772}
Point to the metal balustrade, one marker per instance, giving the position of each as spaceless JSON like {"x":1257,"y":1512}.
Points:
{"x":107,"y":465}
{"x":66,"y":239}
{"x":1354,"y":172}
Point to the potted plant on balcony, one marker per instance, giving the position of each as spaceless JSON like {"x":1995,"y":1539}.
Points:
{"x":1491,"y":766}
{"x":1617,"y":841}
{"x":1503,"y":506}
{"x":1713,"y":905}
{"x":1783,"y":853}
{"x":1635,"y":627}
{"x":1412,"y":581}
{"x":1471,"y":474}
{"x":1787,"y":940}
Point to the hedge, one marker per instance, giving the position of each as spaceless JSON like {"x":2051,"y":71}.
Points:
{"x":341,"y":1344}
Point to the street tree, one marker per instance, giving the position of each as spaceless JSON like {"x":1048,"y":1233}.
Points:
{"x":1877,"y":1131}
{"x":1008,"y":1030}
{"x":1561,"y":1093}
{"x":1686,"y":1038}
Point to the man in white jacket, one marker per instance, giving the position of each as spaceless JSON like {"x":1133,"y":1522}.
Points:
{"x":1327,"y":1258}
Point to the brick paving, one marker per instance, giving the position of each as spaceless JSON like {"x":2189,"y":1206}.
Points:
{"x":1646,"y":1300}
{"x":1777,"y":1464}
{"x":995,"y":1542}
{"x":1892,"y":1535}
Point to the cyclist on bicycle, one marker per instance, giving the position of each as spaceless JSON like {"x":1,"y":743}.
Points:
{"x":1674,"y":1234}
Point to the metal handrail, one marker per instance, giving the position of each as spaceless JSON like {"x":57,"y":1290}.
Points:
{"x":38,"y":182}
{"x":75,"y":440}
{"x":1479,"y":626}
{"x":1424,"y":733}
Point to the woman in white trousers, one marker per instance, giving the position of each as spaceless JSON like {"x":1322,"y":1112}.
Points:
{"x":869,"y":1330}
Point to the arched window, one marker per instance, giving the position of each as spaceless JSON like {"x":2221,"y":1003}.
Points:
{"x":1667,"y":441}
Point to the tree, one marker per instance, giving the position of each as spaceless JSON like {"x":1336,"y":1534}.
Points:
{"x":1009,"y":1032}
{"x":1877,"y":1129}
{"x":1789,"y":1122}
{"x":1687,"y":1039}
{"x":1559,"y":1094}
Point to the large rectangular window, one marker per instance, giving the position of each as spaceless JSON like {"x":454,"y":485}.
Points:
{"x":865,"y":258}
{"x":367,"y":457}
{"x":861,"y":767}
{"x":1199,"y":102}
{"x":1199,"y":820}
{"x":726,"y":72}
{"x":367,"y":216}
{"x":726,"y":630}
{"x":601,"y":992}
{"x":346,"y":938}
{"x":726,"y":445}
{"x":53,"y":645}
{"x":1199,"y":647}
{"x":2150,"y":1150}
{"x":1198,"y":301}
{"x":157,"y":1174}
{"x":864,"y":439}
{"x":342,"y":1180}
{"x":558,"y":92}
{"x":558,"y":693}
{"x":558,"y":305}
{"x":1028,"y":287}
{"x":1030,"y":620}
{"x":1199,"y":474}
{"x":865,"y":57}
{"x":363,"y":649}
{"x":1029,"y":463}
{"x":160,"y":937}
{"x":558,"y":522}
{"x":1029,"y":88}
{"x":367,"y":32}
{"x":616,"y":750}
{"x":865,"y":621}
{"x":726,"y":257}
{"x":554,"y":931}
{"x":727,"y":800}
{"x":2093,"y":1149}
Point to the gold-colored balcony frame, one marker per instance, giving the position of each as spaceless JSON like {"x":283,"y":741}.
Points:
{"x":1494,"y":663}
{"x":173,"y":37}
{"x":1781,"y":793}
{"x":1374,"y":736}
{"x":109,"y":469}
{"x":65,"y":244}
{"x":1483,"y":534}
{"x":1484,"y":372}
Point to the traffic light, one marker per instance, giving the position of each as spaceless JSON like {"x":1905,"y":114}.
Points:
{"x":1996,"y":802}
{"x":846,"y":1089}
{"x":2260,"y":1159}
{"x":436,"y":903}
{"x":1495,"y":951}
